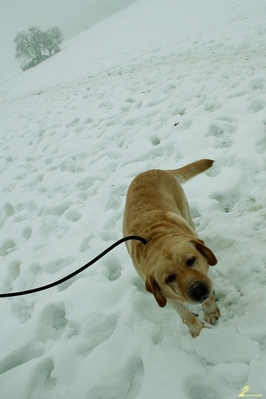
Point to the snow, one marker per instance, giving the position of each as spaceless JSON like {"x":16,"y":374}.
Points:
{"x":156,"y":85}
{"x":225,"y":346}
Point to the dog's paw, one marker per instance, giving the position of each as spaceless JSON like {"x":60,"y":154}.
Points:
{"x":196,"y":327}
{"x":212,"y":317}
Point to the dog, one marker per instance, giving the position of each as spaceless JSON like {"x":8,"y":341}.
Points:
{"x":174,"y":263}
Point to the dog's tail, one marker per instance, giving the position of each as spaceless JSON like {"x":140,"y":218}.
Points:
{"x":192,"y":169}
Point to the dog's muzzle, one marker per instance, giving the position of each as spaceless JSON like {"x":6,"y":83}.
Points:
{"x":198,"y":291}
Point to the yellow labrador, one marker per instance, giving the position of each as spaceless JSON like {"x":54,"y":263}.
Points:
{"x":175,"y":262}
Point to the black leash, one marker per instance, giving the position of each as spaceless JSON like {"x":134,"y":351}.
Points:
{"x":62,"y":280}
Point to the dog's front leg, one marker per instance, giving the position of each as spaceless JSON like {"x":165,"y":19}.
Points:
{"x":211,"y":312}
{"x":194,"y":324}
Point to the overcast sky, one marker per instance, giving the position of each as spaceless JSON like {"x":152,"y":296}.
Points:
{"x":71,"y":16}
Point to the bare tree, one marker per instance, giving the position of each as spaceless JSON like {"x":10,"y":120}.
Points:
{"x":53,"y":37}
{"x":34,"y":46}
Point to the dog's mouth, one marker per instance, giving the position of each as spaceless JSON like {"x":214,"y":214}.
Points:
{"x":198,"y":292}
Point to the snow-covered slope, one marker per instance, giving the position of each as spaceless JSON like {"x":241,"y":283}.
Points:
{"x":157,"y":85}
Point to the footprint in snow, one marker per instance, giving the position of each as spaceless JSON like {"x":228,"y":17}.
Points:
{"x":24,"y":213}
{"x":73,"y":122}
{"x":94,"y":332}
{"x":86,"y":183}
{"x":14,"y":269}
{"x":20,"y":356}
{"x":56,"y":210}
{"x":73,"y":165}
{"x":113,"y":267}
{"x":128,"y":385}
{"x":257,"y":105}
{"x":57,"y":265}
{"x":261,"y":144}
{"x":222,"y":131}
{"x":52,"y":322}
{"x":131,"y":104}
{"x":13,"y":272}
{"x":41,"y":380}
{"x":154,"y":140}
{"x":73,"y":215}
{"x":22,"y":309}
{"x":200,"y":389}
{"x":7,"y":246}
{"x":26,"y":233}
{"x":225,"y":202}
{"x":8,"y":210}
{"x":219,"y":164}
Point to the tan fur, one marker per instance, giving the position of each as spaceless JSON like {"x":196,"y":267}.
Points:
{"x":174,"y":263}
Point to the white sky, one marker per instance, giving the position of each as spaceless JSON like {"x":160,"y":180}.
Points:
{"x":69,"y":15}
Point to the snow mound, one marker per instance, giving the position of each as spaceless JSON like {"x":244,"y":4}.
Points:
{"x":225,"y":346}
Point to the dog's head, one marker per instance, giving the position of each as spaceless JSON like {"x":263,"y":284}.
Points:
{"x":179,"y":272}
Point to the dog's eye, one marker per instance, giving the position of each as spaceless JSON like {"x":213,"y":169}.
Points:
{"x":190,"y":261}
{"x":170,"y":279}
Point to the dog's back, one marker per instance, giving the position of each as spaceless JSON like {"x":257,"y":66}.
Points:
{"x":157,"y":192}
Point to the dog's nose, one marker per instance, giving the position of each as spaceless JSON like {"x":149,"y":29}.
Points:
{"x":198,"y":291}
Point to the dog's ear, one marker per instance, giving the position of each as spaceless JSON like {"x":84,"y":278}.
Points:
{"x":199,"y":244}
{"x":152,"y":286}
